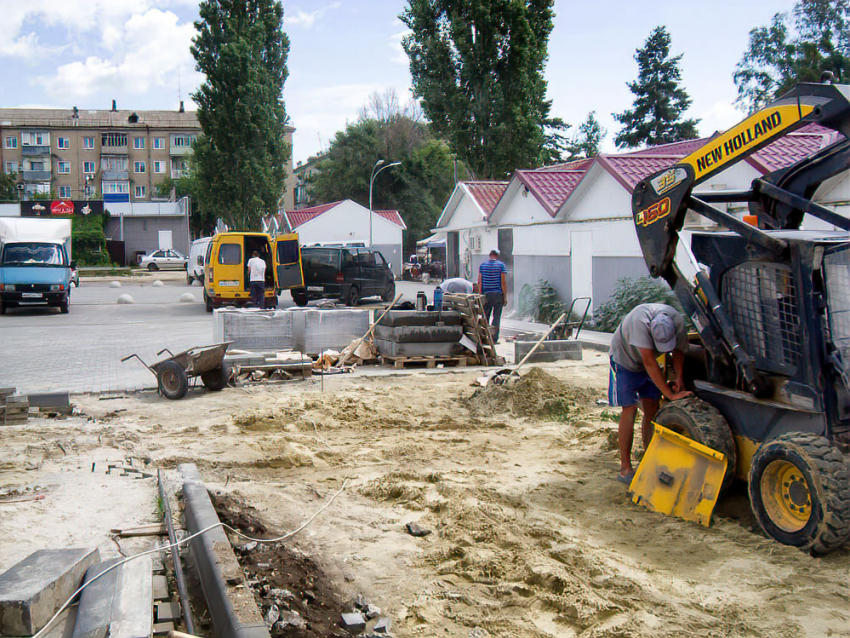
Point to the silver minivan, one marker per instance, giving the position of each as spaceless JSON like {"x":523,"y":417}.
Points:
{"x":195,"y":265}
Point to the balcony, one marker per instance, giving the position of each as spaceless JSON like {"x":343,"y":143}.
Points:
{"x":114,"y":175}
{"x":36,"y":176}
{"x":179,"y":151}
{"x":35,"y":150}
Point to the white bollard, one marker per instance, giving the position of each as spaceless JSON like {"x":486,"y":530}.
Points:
{"x":114,"y":284}
{"x":187,"y":297}
{"x":125,"y":298}
{"x":157,"y":283}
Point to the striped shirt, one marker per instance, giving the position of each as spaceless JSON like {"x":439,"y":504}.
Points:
{"x":491,"y":275}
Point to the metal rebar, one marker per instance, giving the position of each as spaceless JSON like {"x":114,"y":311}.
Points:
{"x":175,"y":557}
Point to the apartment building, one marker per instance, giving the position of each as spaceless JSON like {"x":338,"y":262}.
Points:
{"x":114,"y":155}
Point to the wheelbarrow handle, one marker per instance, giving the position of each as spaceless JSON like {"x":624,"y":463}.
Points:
{"x":128,"y":357}
{"x":165,"y":350}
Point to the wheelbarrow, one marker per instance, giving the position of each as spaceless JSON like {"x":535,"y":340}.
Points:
{"x":172,"y":374}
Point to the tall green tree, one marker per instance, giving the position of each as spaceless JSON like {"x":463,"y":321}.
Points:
{"x":793,"y":48}
{"x":241,"y":158}
{"x":660,"y":101}
{"x":587,"y":141}
{"x":418,"y":188}
{"x":477,"y":66}
{"x":8,"y":188}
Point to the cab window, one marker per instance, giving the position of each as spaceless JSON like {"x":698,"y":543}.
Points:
{"x":366,"y":258}
{"x":230,"y":255}
{"x":209,"y":253}
{"x":347,"y":258}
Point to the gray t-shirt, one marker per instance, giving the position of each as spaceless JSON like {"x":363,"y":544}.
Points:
{"x":458,"y":284}
{"x":633,"y":333}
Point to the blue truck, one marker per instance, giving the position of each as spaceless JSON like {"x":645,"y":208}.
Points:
{"x":35,"y":262}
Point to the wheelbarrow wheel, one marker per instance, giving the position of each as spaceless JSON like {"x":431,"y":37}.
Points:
{"x":173,"y":382}
{"x":217,"y":379}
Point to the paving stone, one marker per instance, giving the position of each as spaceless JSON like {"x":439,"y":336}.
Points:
{"x":162,"y":628}
{"x":160,"y":588}
{"x":118,"y":603}
{"x":352,"y":622}
{"x":167,"y":612}
{"x":383,"y":626}
{"x":372,"y":611}
{"x":34,"y":589}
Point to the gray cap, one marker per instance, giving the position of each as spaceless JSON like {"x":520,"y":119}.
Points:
{"x":663,"y":332}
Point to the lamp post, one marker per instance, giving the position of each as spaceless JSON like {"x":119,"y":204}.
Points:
{"x":375,"y":171}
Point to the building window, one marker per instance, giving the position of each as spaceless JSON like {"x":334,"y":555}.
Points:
{"x":179,"y":168}
{"x":113,"y":139}
{"x":141,"y":191}
{"x":11,"y":168}
{"x":35,"y":138}
{"x":88,"y":143}
{"x":113,"y":163}
{"x":64,"y":167}
{"x":159,"y":143}
{"x":182,"y":140}
{"x":88,"y":168}
{"x":139,"y":143}
{"x":35,"y":166}
{"x":158,"y":166}
{"x":63,"y":143}
{"x":139,"y":167}
{"x":64,"y":192}
{"x":11,"y":141}
{"x":116,"y":188}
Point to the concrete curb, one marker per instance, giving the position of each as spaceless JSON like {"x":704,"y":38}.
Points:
{"x":232,"y":607}
{"x":593,"y":345}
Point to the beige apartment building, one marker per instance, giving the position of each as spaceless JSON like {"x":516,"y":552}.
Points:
{"x":114,"y":155}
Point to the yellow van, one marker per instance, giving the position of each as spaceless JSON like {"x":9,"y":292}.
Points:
{"x":226,"y":267}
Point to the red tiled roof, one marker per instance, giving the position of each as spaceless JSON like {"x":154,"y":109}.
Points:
{"x":575,"y":165}
{"x":679,"y":149}
{"x":794,"y":147}
{"x":486,"y":194}
{"x":298,"y":217}
{"x":551,"y":188}
{"x":392,"y":215}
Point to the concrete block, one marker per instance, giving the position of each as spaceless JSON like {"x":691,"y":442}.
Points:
{"x":34,"y":589}
{"x":167,"y":612}
{"x":398,"y":318}
{"x":160,"y":587}
{"x":382,"y":626}
{"x":419,"y":334}
{"x":446,"y":348}
{"x":162,"y":628}
{"x":555,"y":350}
{"x":118,"y":604}
{"x":352,"y":622}
{"x":314,"y":331}
{"x":59,"y":402}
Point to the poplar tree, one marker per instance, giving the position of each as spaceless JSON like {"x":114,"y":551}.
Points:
{"x":477,"y":66}
{"x":656,"y":115}
{"x":241,"y":158}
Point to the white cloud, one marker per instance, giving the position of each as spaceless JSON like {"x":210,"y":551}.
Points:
{"x":306,"y":19}
{"x":399,"y":54}
{"x":721,"y":116}
{"x":146,"y":52}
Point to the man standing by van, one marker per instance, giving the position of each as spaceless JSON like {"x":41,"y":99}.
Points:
{"x":257,"y":279}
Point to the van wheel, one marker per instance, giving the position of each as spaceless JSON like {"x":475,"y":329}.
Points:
{"x":189,"y":279}
{"x":352,"y":297}
{"x":300,"y":299}
{"x":64,"y":307}
{"x":389,"y":295}
{"x":207,"y":303}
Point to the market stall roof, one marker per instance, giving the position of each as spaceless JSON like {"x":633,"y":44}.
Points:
{"x":434,"y":241}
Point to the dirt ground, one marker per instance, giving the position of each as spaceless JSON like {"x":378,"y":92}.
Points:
{"x":530,"y":533}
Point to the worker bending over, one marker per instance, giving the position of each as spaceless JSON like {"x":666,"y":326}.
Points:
{"x":649,"y":330}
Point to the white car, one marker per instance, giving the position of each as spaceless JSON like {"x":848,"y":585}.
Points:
{"x":163,"y":260}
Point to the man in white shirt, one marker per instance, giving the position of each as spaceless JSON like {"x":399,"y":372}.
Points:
{"x":257,"y":279}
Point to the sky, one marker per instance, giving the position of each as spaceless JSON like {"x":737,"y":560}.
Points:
{"x":85,"y":53}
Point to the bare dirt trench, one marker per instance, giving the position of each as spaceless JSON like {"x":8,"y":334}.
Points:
{"x":530,"y":533}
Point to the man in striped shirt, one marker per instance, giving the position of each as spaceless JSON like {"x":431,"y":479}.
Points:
{"x":492,"y":284}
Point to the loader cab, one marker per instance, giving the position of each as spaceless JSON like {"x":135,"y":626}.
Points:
{"x":226,"y":277}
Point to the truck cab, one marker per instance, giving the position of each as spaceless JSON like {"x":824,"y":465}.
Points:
{"x":35,"y":263}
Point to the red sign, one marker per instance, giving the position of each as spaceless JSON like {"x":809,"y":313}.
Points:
{"x":62,"y":207}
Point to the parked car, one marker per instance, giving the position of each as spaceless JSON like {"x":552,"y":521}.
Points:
{"x":163,"y":260}
{"x":195,"y":265}
{"x":346,"y":273}
{"x":75,"y":276}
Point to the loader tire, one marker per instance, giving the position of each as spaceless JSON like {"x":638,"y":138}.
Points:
{"x":702,"y":422}
{"x":799,"y":487}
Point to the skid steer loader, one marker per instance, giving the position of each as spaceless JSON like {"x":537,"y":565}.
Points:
{"x":771,"y":304}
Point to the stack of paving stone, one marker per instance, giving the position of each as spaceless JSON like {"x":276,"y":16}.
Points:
{"x":16,"y":410}
{"x":412,"y":333}
{"x":4,"y":394}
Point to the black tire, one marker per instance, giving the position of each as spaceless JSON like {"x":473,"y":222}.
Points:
{"x":217,"y":379}
{"x":702,"y":422}
{"x":800,"y":492}
{"x":271,"y":303}
{"x":173,"y":382}
{"x":65,"y":306}
{"x":300,"y":299}
{"x":189,"y":278}
{"x":153,"y":267}
{"x":353,"y":296}
{"x":207,"y":303}
{"x":2,"y":308}
{"x":389,"y":294}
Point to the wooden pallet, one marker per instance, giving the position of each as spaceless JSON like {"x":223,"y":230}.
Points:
{"x":475,"y":324}
{"x":429,"y":362}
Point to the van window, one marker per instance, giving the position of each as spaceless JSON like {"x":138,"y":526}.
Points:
{"x":366,"y":258}
{"x":347,"y":258}
{"x":318,"y":257}
{"x":287,"y":251}
{"x":230,"y":254}
{"x":209,"y":252}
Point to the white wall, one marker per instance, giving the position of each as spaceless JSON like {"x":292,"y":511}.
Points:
{"x":519,"y":206}
{"x":10,"y":210}
{"x":349,"y":222}
{"x":466,"y":214}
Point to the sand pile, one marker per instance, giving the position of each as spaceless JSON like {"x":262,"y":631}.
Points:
{"x":535,"y":394}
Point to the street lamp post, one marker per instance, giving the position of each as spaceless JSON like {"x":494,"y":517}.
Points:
{"x":375,"y":171}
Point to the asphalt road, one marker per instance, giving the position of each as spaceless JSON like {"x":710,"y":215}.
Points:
{"x":42,"y":350}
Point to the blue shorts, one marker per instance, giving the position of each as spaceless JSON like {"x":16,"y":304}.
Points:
{"x":625,"y":387}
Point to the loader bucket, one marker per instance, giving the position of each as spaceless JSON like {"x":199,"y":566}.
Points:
{"x":679,"y":476}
